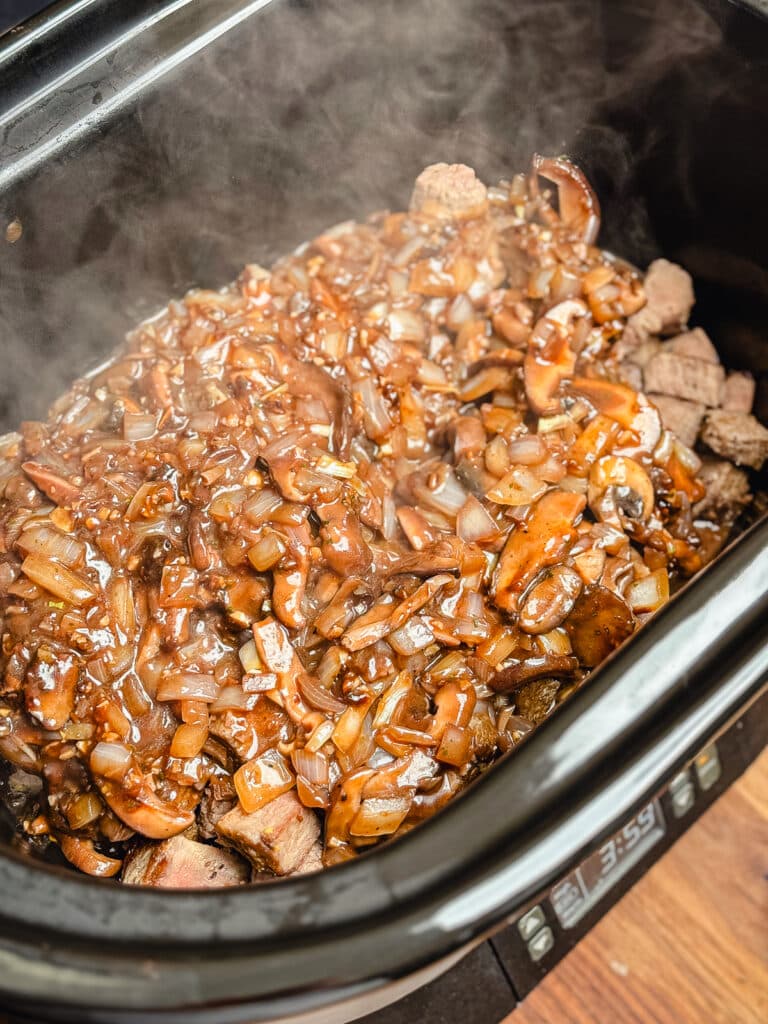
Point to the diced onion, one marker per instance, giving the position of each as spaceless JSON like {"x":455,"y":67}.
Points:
{"x":311,"y":766}
{"x":318,"y":696}
{"x":249,"y":657}
{"x":649,"y":593}
{"x":188,"y":740}
{"x":112,"y":760}
{"x":188,"y":686}
{"x":527,"y":450}
{"x":474,"y":523}
{"x":414,"y":636}
{"x":57,"y":579}
{"x":262,"y":780}
{"x":139,"y":426}
{"x":380,"y":816}
{"x":455,"y":746}
{"x":320,"y":735}
{"x":260,"y":507}
{"x":83,"y":810}
{"x":518,"y":487}
{"x":39,"y":539}
{"x":234,"y":698}
{"x":376,"y":418}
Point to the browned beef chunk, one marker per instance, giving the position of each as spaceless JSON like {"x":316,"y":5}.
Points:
{"x":739,"y":392}
{"x":736,"y":436}
{"x":449,"y":190}
{"x":683,"y":377}
{"x":669,"y":294}
{"x":179,"y":863}
{"x":312,"y":862}
{"x":727,"y":490}
{"x":632,"y":374}
{"x":278,"y":837}
{"x":681,"y":417}
{"x":211,"y":809}
{"x":695,"y":344}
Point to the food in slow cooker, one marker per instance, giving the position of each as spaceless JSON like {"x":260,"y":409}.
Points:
{"x":313,"y":550}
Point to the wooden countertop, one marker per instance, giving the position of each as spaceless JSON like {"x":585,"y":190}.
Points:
{"x":689,"y":943}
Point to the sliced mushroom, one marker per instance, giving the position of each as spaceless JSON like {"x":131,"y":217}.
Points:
{"x":599,"y":622}
{"x":619,"y":487}
{"x":53,"y":485}
{"x":539,"y":542}
{"x":142,"y":809}
{"x":550,"y":599}
{"x":86,"y":858}
{"x":343,"y":546}
{"x":629,"y":408}
{"x":525,"y":670}
{"x":579,"y":206}
{"x":550,"y":359}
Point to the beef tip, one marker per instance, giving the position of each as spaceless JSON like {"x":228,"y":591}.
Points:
{"x":669,"y":298}
{"x":631,"y":374}
{"x":738,"y":392}
{"x":449,"y":191}
{"x":278,"y":837}
{"x":211,"y":809}
{"x":681,"y":417}
{"x":736,"y":436}
{"x":727,"y":490}
{"x":180,"y":863}
{"x":695,"y":344}
{"x":683,"y":377}
{"x":312,"y":862}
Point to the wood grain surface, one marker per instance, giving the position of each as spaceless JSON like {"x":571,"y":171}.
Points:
{"x":689,"y":943}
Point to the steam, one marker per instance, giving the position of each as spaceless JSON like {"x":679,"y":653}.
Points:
{"x":303,"y":116}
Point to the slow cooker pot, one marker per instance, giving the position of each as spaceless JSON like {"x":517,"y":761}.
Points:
{"x":146,"y":148}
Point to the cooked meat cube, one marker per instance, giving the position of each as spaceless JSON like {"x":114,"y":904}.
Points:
{"x":278,"y":837}
{"x":695,"y":344}
{"x":643,"y":353}
{"x":179,"y":863}
{"x":736,"y":436}
{"x":739,"y":392}
{"x":312,"y":862}
{"x":681,"y":417}
{"x":683,"y":377}
{"x":669,"y":299}
{"x":211,"y":810}
{"x":449,"y":190}
{"x":632,"y":374}
{"x":727,"y":489}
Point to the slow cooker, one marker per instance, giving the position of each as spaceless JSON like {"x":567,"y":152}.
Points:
{"x":146,"y":148}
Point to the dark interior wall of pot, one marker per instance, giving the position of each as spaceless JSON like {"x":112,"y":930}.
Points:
{"x":308,"y":114}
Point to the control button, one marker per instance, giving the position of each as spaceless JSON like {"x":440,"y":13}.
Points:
{"x":708,"y":767}
{"x":683,"y":799}
{"x":540,"y":944}
{"x":530,"y":923}
{"x":680,"y":781}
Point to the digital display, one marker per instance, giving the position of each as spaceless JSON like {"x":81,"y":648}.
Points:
{"x":578,"y":892}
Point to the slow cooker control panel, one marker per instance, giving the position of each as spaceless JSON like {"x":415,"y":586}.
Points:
{"x":544,"y":931}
